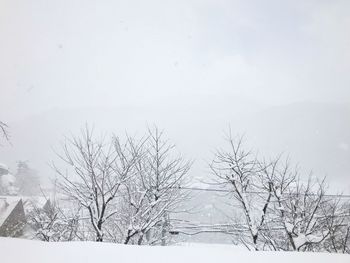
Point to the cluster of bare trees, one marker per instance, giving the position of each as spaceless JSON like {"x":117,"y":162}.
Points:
{"x":276,"y":209}
{"x":126,"y":191}
{"x":123,"y":190}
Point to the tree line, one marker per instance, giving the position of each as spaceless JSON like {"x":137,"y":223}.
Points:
{"x":126,"y":191}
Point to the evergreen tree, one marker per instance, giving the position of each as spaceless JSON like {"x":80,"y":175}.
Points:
{"x":27,"y":179}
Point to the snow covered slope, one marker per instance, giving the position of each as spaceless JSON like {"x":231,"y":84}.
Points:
{"x":25,"y":251}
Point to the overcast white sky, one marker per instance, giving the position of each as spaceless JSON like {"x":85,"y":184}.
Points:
{"x":94,"y":53}
{"x":146,"y":61}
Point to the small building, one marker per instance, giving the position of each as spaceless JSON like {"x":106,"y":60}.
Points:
{"x":12,"y":217}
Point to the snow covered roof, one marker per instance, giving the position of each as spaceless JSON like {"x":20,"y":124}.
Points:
{"x":27,"y":201}
{"x":6,"y":207}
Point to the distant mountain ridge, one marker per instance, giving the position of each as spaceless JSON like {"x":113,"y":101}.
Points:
{"x":316,"y":135}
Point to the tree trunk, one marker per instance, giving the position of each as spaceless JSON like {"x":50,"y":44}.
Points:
{"x":99,"y":238}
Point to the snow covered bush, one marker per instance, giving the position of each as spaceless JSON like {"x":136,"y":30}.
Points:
{"x":50,"y":223}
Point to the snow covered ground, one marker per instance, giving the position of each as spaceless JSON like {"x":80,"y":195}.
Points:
{"x":25,"y":251}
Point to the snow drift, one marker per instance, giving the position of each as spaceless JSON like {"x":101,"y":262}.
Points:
{"x":18,"y":251}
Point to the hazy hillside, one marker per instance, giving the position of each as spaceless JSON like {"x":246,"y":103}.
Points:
{"x":317,"y":136}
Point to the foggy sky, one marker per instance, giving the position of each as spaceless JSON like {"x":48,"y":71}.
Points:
{"x":55,"y":53}
{"x":168,"y":56}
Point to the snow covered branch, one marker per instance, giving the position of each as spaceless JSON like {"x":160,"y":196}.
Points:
{"x":280,"y":210}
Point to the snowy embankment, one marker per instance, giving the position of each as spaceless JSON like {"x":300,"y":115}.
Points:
{"x":25,"y":251}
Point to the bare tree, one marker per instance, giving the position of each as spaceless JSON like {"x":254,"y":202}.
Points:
{"x":301,"y":210}
{"x":97,"y":170}
{"x":4,"y":130}
{"x":337,"y":222}
{"x":280,"y":178}
{"x":155,"y":191}
{"x":240,"y":171}
{"x":280,"y":210}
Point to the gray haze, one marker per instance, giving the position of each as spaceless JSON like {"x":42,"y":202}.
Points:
{"x":277,"y":71}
